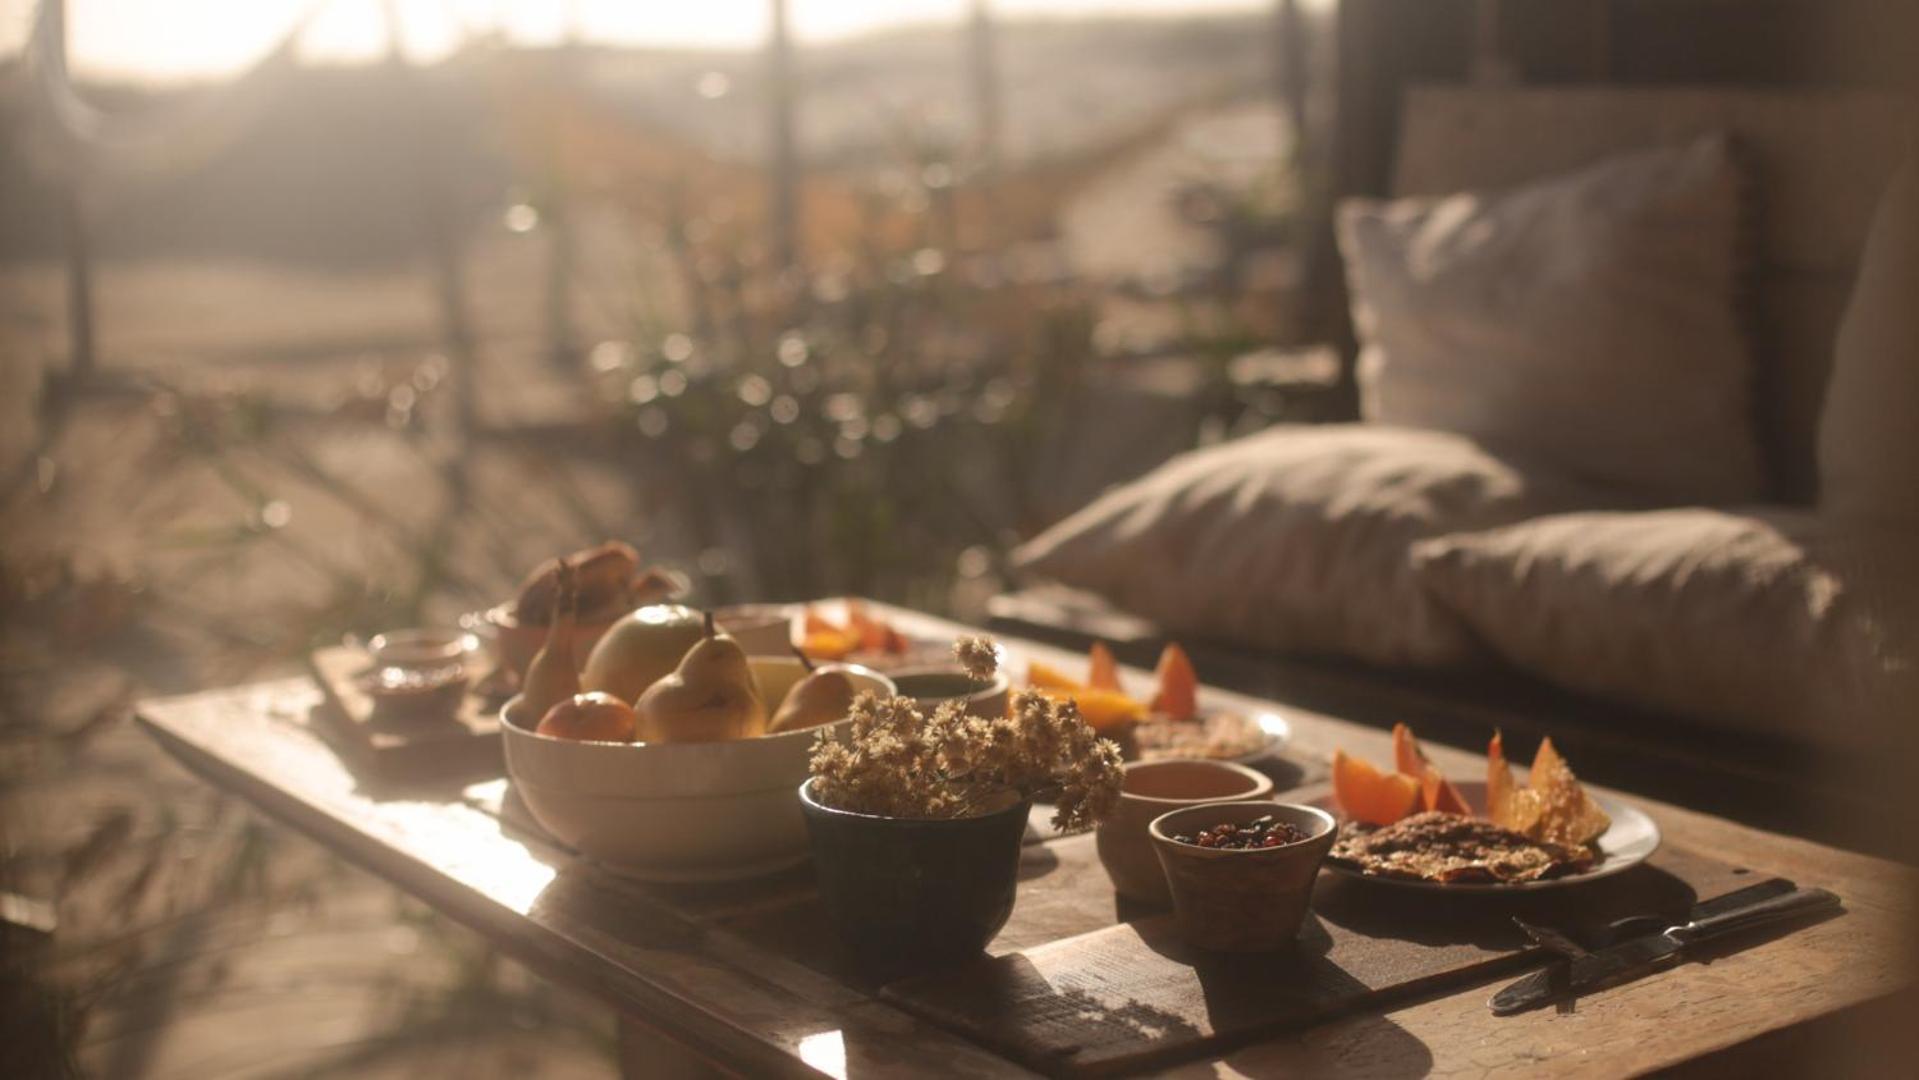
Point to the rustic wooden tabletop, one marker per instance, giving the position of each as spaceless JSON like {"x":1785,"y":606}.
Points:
{"x":747,"y":976}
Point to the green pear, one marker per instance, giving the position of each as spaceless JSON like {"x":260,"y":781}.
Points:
{"x":822,"y":697}
{"x":552,"y":676}
{"x":640,"y":650}
{"x":711,"y":696}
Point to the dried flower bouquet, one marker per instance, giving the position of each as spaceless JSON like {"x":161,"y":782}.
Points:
{"x":896,"y":761}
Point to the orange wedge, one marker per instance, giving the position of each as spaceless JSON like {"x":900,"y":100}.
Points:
{"x":1103,"y":710}
{"x":873,"y":635}
{"x":1508,"y":805}
{"x":1178,"y":695}
{"x":1371,"y":796}
{"x":1436,"y":792}
{"x":818,"y":624}
{"x":1102,"y":671}
{"x":1044,"y":676}
{"x":1407,"y":757}
{"x":828,"y":644}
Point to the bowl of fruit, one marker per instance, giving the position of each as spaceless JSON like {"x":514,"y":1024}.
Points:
{"x":607,"y":582}
{"x":671,"y":755}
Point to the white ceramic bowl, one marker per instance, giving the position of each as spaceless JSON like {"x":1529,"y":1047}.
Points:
{"x":673,"y":812}
{"x":761,"y":629}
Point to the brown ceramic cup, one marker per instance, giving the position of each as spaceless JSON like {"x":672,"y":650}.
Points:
{"x":931,"y":687}
{"x":1152,"y":788}
{"x":1250,"y":900}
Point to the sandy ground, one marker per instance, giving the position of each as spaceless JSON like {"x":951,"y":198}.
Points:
{"x":196,"y":938}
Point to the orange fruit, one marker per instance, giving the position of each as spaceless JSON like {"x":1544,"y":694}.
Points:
{"x":1371,"y":796}
{"x":595,"y":716}
{"x":874,"y":635}
{"x":1044,"y":676}
{"x":819,"y":624}
{"x":1103,"y":710}
{"x":828,"y":644}
{"x":1102,"y":671}
{"x":1436,"y":792}
{"x":1407,"y":757}
{"x":1178,"y":695}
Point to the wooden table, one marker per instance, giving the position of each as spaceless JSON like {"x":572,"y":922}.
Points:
{"x":745,"y":977}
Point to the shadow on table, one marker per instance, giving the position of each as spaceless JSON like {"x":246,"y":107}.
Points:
{"x":1137,"y":997}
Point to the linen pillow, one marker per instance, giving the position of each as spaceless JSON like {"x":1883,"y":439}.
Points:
{"x":1296,"y":539}
{"x":1590,"y":320}
{"x":1754,"y":621}
{"x":1869,"y":425}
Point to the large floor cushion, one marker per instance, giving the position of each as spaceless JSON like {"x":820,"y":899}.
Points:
{"x":1591,"y":320}
{"x":1869,"y":430}
{"x":1771,"y":619}
{"x":1297,"y":539}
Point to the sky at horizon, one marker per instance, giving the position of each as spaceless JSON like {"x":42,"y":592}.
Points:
{"x":208,"y":39}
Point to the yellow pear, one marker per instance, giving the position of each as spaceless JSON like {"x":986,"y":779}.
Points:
{"x":640,"y":650}
{"x":822,"y":697}
{"x":552,"y":676}
{"x":711,"y":696}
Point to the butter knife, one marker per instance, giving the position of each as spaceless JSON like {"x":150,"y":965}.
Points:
{"x":1631,"y":959}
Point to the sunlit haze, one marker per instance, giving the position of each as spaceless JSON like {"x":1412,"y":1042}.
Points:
{"x":189,"y":39}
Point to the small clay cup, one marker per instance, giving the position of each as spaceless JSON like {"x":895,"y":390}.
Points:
{"x":515,"y":642}
{"x":929,"y":686}
{"x":1152,"y":788}
{"x":1251,"y":900}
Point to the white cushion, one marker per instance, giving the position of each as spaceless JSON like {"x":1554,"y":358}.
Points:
{"x":1296,"y":539}
{"x":1756,"y":620}
{"x":1590,"y":320}
{"x":1869,"y":428}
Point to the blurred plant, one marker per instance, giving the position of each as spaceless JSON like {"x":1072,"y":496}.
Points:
{"x":857,"y":430}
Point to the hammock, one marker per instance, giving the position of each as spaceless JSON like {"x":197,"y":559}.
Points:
{"x":75,"y":137}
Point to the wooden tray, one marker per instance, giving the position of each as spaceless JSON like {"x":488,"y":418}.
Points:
{"x":400,"y":744}
{"x":1133,"y":995}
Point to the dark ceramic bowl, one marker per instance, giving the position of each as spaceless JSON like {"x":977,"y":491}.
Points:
{"x":1242,"y":900}
{"x":909,"y":894}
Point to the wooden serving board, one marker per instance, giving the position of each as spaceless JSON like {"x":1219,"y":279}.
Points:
{"x":400,"y":744}
{"x":1133,"y":995}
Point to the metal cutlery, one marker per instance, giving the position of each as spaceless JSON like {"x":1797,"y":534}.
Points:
{"x":1761,"y":906}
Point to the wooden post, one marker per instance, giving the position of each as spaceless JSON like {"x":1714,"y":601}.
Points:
{"x":556,"y":220}
{"x":1292,"y":84}
{"x":75,"y":235}
{"x":562,"y":349}
{"x":73,"y":226}
{"x":785,"y":156}
{"x":440,"y":224}
{"x":982,"y":72}
{"x":1490,"y":67}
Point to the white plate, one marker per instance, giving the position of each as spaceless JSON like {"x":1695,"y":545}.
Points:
{"x":1630,"y":841}
{"x":1277,"y":731}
